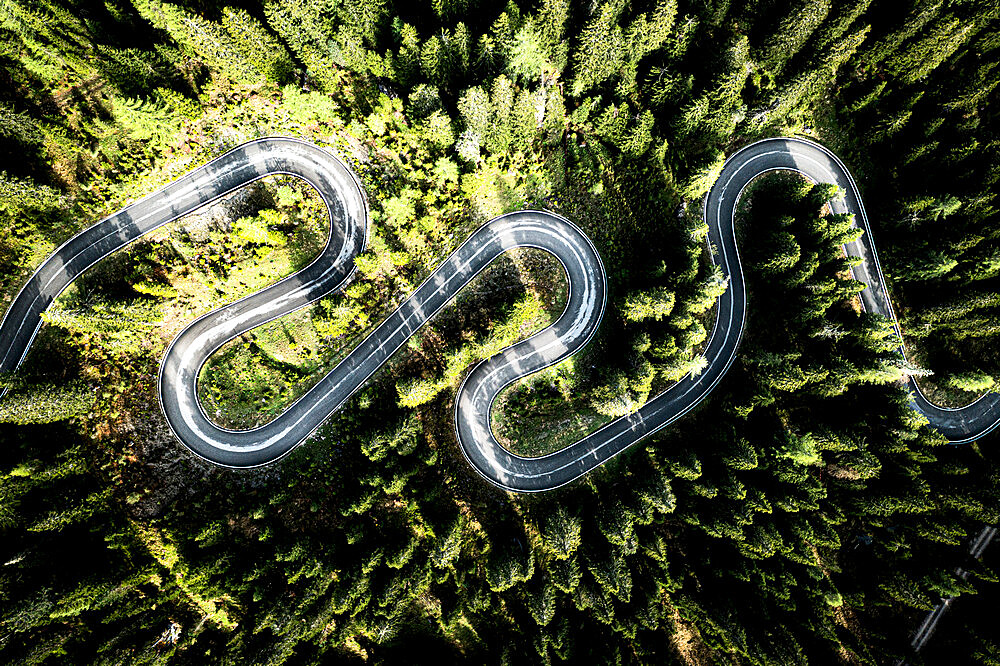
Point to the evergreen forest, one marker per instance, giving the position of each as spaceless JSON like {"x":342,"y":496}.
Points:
{"x":802,"y":514}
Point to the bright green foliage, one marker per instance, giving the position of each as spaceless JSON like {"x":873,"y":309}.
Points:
{"x":523,"y":318}
{"x":229,"y":48}
{"x":301,"y":24}
{"x":652,"y":304}
{"x":561,"y":533}
{"x":974,"y":382}
{"x":804,"y":491}
{"x":24,"y":207}
{"x":121,"y":327}
{"x":147,"y":120}
{"x":790,"y":35}
{"x":45,"y":403}
{"x":703,"y":179}
{"x":602,"y":48}
{"x":258,"y":46}
{"x":259,"y":230}
{"x":439,"y":131}
{"x":52,"y":40}
{"x":632,"y":134}
{"x":607,"y":49}
{"x":527,"y":55}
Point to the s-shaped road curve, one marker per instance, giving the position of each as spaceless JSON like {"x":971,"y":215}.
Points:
{"x":329,"y":272}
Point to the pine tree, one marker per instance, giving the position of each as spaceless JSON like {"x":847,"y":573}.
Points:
{"x":561,"y":533}
{"x":791,"y":34}
{"x":257,"y":45}
{"x":600,"y":49}
{"x":917,"y":59}
{"x":302,"y":24}
{"x":654,"y":303}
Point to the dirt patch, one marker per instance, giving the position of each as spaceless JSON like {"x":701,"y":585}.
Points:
{"x":686,"y":640}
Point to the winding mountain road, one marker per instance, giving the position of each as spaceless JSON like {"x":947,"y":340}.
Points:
{"x":334,"y":266}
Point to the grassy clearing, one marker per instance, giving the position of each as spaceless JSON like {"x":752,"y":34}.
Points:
{"x":931,"y":386}
{"x":254,"y":378}
{"x":548,"y":411}
{"x":535,"y":416}
{"x":214,"y":263}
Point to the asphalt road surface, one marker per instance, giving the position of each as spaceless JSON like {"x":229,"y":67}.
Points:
{"x":334,"y":266}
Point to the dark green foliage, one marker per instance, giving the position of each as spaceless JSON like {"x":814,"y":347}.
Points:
{"x":802,"y":514}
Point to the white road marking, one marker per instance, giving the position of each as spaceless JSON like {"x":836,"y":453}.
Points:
{"x":572,"y":330}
